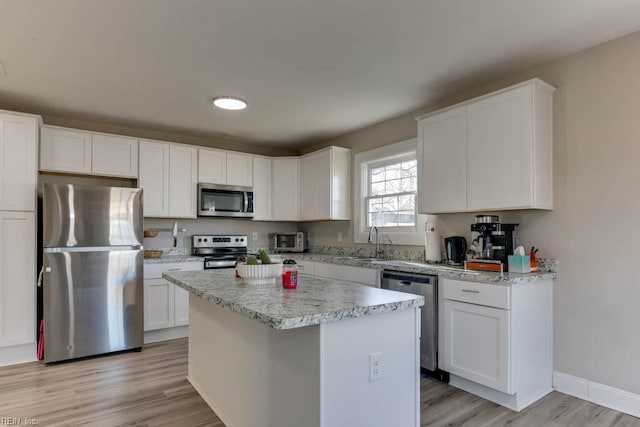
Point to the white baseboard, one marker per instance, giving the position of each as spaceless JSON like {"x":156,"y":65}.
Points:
{"x":166,"y":334}
{"x":599,"y":394}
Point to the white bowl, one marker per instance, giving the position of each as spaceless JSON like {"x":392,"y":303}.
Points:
{"x":261,"y":274}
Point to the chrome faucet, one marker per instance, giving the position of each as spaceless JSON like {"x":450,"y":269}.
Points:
{"x":377,"y":240}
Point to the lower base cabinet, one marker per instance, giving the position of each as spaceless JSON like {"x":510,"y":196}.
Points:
{"x":347,"y":273}
{"x":17,"y":287}
{"x":496,"y":340}
{"x":165,"y":305}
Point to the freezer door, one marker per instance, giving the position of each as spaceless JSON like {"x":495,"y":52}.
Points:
{"x":80,"y":216}
{"x":92,"y":303}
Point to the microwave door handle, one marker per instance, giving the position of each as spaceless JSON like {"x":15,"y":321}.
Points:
{"x":246,"y":201}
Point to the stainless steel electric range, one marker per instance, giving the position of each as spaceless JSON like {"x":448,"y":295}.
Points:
{"x":219,"y":251}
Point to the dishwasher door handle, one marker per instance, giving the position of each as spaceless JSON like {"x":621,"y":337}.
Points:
{"x":404,"y":283}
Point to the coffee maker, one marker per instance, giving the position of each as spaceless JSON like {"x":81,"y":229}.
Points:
{"x":495,"y":241}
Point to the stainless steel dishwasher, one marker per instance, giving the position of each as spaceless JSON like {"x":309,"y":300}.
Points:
{"x":427,"y":286}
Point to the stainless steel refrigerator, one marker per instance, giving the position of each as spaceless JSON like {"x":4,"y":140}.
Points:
{"x":93,"y":289}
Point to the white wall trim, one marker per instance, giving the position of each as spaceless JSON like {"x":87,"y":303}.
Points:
{"x":600,"y":394}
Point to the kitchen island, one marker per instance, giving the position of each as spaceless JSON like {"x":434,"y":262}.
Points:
{"x":328,"y":353}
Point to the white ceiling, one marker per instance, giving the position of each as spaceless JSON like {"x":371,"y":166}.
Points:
{"x":310,"y":69}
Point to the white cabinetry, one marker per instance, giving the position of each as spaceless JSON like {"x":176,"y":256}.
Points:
{"x":154,"y":177}
{"x":442,"y":164}
{"x":212,"y":166}
{"x":183,"y":181}
{"x":18,"y":174}
{"x":239,"y":169}
{"x":17,"y":280}
{"x":168,"y":175}
{"x":18,"y":162}
{"x":347,"y":273}
{"x":262,"y":203}
{"x":494,"y":152}
{"x":496,"y":339}
{"x":165,"y":305}
{"x":114,"y":156}
{"x":225,"y":167}
{"x":324,"y":184}
{"x":284,"y":175}
{"x":72,"y":151}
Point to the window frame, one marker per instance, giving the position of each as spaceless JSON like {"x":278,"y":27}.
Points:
{"x":363,"y":161}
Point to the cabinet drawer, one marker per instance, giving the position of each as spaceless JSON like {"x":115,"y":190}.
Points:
{"x":477,"y":293}
{"x":154,"y":271}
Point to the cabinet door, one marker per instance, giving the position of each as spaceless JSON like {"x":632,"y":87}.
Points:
{"x":239,"y":169}
{"x":442,"y":162}
{"x":499,"y":133}
{"x":262,"y":188}
{"x":477,"y":344}
{"x":306,"y":267}
{"x":285,"y":189}
{"x":362,"y":275}
{"x":18,"y":162}
{"x":180,"y":306}
{"x":212,"y":166}
{"x":158,"y":304}
{"x":315,"y":186}
{"x":64,"y":150}
{"x":114,"y":156}
{"x":154,"y":177}
{"x":331,"y":271}
{"x":17,"y":278}
{"x":183,"y":181}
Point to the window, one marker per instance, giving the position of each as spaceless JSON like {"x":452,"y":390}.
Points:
{"x":385,"y":194}
{"x":391,"y":200}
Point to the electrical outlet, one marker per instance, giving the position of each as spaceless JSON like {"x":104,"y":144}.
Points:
{"x":339,"y":236}
{"x":375,"y":366}
{"x":254,"y":236}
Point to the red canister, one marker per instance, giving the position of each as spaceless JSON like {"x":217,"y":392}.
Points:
{"x":289,"y":274}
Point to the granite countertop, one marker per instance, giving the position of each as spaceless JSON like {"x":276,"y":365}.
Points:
{"x":316,"y":300}
{"x":442,"y":270}
{"x":165,"y":259}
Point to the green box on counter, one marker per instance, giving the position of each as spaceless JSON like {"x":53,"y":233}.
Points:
{"x":519,"y":264}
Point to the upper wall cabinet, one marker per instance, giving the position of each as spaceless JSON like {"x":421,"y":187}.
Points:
{"x":168,"y":175}
{"x":442,"y":149}
{"x":72,"y":151}
{"x":324,"y":185}
{"x":225,"y":167}
{"x":494,"y":152}
{"x":262,"y":195}
{"x":284,"y":179}
{"x":18,"y":162}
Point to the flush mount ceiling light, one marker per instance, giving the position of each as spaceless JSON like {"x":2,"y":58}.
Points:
{"x":229,"y":103}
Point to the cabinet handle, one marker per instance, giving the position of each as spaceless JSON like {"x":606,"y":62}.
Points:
{"x":473,"y":291}
{"x":174,"y":269}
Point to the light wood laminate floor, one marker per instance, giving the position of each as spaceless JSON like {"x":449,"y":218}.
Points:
{"x":150,"y":389}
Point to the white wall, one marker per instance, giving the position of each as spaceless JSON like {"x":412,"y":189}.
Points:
{"x":593,"y":228}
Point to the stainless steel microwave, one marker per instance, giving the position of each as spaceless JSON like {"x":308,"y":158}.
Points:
{"x":225,"y":200}
{"x":289,"y":242}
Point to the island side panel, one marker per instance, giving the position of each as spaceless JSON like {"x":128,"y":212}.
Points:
{"x":349,"y":398}
{"x":250,"y":374}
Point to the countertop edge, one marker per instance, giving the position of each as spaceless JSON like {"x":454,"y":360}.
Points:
{"x":301,"y":321}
